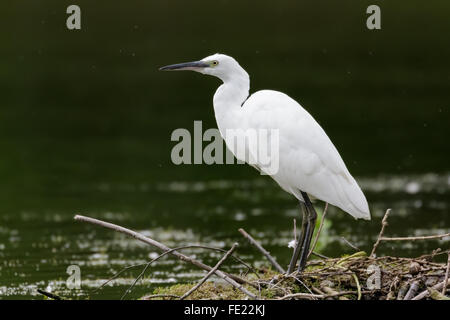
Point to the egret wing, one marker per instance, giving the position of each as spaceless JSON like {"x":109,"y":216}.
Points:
{"x":308,"y":160}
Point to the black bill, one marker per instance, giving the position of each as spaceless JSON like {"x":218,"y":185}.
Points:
{"x":194,"y":65}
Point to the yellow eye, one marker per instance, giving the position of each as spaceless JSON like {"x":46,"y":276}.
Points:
{"x":214,"y":63}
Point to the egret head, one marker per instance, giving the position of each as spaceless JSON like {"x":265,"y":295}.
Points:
{"x":219,"y":65}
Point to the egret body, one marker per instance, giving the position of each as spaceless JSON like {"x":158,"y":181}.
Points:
{"x":309,"y":163}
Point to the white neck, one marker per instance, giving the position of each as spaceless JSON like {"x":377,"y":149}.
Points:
{"x":229,"y":98}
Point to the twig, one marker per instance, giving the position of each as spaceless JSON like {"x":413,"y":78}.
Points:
{"x":235,"y":281}
{"x":302,"y":295}
{"x":262,"y":250}
{"x":350,"y":244}
{"x":392,"y":288}
{"x":319,"y":255}
{"x":402,"y":291}
{"x":299,"y":281}
{"x":412,"y":290}
{"x":436,"y":295}
{"x":358,"y":286}
{"x":184,"y":296}
{"x":444,"y":288}
{"x":330,"y":291}
{"x":320,"y":229}
{"x":118,"y":274}
{"x":49,"y":295}
{"x":316,"y":296}
{"x":383,"y":225}
{"x":425,"y":293}
{"x":167,"y":252}
{"x":147,"y":265}
{"x":160,"y":296}
{"x":437,"y":236}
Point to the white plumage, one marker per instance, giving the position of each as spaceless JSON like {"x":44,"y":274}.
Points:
{"x":308,"y":160}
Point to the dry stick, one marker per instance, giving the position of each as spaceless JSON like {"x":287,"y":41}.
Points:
{"x":383,"y":225}
{"x":262,"y":250}
{"x":318,"y":296}
{"x":192,"y":246}
{"x":436,"y":295}
{"x":235,"y":281}
{"x":402,"y":291}
{"x":425,"y":293}
{"x":412,"y":290}
{"x":147,"y":265}
{"x":438,"y":236}
{"x":216,"y":267}
{"x":444,"y":288}
{"x":49,"y":295}
{"x":320,"y":229}
{"x":358,"y":286}
{"x":351,"y":244}
{"x":160,"y":296}
{"x":118,"y":274}
{"x":302,"y":295}
{"x":299,"y":281}
{"x":329,"y":291}
{"x":320,"y":255}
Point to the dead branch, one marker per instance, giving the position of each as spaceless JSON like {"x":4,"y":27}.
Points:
{"x":383,"y":225}
{"x":437,"y":236}
{"x":351,"y":245}
{"x":216,"y":267}
{"x":262,"y":250}
{"x":444,"y":287}
{"x":316,"y":296}
{"x":426,"y":293}
{"x":412,"y":290}
{"x":49,"y":295}
{"x":153,"y":296}
{"x":302,"y":295}
{"x":436,"y":295}
{"x":147,"y":264}
{"x":234,"y":280}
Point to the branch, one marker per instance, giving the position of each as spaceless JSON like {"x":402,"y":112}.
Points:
{"x":235,"y":281}
{"x":444,"y":287}
{"x":383,"y":225}
{"x":351,"y":244}
{"x":216,"y":267}
{"x":147,"y":264}
{"x":317,"y":296}
{"x":153,"y":296}
{"x":49,"y":295}
{"x":262,"y":250}
{"x":412,"y":290}
{"x":425,"y":293}
{"x":437,"y":236}
{"x":436,"y":295}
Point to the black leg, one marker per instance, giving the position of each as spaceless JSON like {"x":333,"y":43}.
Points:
{"x":310,"y":225}
{"x":301,"y":239}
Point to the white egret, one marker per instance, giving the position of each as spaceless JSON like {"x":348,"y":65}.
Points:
{"x":308,"y":161}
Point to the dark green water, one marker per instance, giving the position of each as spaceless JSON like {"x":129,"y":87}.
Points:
{"x":86,"y":118}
